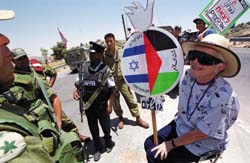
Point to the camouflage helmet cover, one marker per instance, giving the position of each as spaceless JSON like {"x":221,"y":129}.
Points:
{"x":18,"y":53}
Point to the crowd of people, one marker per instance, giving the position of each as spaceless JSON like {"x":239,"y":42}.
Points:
{"x":32,"y":117}
{"x":202,"y":31}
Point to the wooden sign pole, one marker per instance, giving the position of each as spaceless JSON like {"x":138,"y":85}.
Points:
{"x":154,"y":127}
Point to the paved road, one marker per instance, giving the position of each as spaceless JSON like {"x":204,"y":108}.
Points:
{"x":129,"y":140}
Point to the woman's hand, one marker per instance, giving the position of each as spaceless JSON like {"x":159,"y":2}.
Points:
{"x":162,"y":150}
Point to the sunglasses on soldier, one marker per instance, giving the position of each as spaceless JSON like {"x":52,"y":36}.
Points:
{"x":203,"y":58}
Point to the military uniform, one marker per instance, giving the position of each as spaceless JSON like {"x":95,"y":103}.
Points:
{"x":67,"y":124}
{"x":23,"y":110}
{"x":114,"y":62}
{"x":28,"y":132}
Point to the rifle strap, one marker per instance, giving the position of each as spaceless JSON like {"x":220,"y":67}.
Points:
{"x":98,"y":90}
{"x":45,"y":94}
{"x":80,"y":88}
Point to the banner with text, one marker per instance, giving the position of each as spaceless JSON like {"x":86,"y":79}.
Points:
{"x":222,"y":14}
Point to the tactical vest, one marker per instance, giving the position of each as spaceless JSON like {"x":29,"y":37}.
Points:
{"x":92,"y":80}
{"x":21,"y":111}
{"x":24,"y":95}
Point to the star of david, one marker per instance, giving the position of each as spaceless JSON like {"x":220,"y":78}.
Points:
{"x":133,"y":65}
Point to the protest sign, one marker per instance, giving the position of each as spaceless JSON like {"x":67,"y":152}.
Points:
{"x":152,"y":62}
{"x":222,"y":14}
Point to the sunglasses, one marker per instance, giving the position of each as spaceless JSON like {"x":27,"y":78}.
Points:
{"x":203,"y":58}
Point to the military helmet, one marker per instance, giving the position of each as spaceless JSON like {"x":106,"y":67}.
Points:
{"x":18,"y":53}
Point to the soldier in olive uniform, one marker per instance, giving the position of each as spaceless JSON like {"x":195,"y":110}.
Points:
{"x":29,"y":131}
{"x":95,"y":76}
{"x":22,"y":66}
{"x":112,"y":58}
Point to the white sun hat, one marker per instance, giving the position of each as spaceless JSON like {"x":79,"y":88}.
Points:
{"x":220,"y":44}
{"x":6,"y":14}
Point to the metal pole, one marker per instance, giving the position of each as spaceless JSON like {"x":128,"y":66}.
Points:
{"x":124,"y":28}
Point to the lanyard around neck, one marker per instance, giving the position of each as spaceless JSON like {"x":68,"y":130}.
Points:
{"x":197,"y":104}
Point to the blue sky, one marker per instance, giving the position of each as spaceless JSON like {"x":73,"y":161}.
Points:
{"x":36,"y":22}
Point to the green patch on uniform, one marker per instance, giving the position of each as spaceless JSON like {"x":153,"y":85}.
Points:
{"x":8,"y":146}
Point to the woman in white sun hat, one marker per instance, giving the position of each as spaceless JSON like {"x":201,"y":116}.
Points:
{"x":207,"y":105}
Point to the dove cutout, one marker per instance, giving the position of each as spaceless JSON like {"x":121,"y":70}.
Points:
{"x":140,"y":18}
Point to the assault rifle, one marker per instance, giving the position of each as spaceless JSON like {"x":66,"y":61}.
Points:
{"x":81,"y":88}
{"x":80,"y":85}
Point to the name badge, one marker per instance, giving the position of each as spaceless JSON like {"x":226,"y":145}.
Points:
{"x":89,"y":83}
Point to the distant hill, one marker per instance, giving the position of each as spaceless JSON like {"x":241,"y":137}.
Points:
{"x":241,"y":29}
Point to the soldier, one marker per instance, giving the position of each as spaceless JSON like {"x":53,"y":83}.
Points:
{"x":96,"y":77}
{"x":112,"y":58}
{"x":22,"y":66}
{"x":28,"y":127}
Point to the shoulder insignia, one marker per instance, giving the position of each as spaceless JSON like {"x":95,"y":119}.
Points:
{"x":11,"y":145}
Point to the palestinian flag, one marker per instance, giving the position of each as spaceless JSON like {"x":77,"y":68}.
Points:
{"x":152,"y":62}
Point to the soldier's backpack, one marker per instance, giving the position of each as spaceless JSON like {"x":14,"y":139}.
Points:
{"x":68,"y":147}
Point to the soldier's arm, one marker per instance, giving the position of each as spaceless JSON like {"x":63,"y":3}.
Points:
{"x":56,"y":103}
{"x":52,"y":80}
{"x":52,"y":74}
{"x":57,"y":107}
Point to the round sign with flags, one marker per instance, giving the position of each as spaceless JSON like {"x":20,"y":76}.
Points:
{"x":152,"y":62}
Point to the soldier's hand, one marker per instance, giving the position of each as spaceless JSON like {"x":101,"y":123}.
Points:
{"x":75,"y":94}
{"x":59,"y":124}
